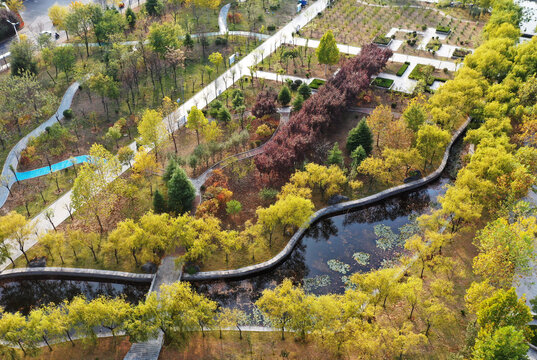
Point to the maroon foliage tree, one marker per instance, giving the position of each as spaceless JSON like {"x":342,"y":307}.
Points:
{"x":298,"y":137}
{"x":265,"y":104}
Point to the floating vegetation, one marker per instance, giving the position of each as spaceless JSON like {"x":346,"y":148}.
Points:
{"x":338,"y":266}
{"x":408,"y":230}
{"x":361,"y":258}
{"x":316,"y":282}
{"x":387,"y":239}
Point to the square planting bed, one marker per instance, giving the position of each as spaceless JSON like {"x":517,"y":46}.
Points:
{"x":316,"y":83}
{"x":382,"y":82}
{"x":459,"y":53}
{"x":382,"y":40}
{"x":444,"y":30}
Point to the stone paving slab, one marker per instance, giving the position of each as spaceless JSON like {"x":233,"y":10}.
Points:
{"x":75,"y":273}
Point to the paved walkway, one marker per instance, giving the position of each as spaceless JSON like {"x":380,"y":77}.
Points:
{"x":397,"y":57}
{"x":277,"y":77}
{"x":13,"y":156}
{"x":222,"y":18}
{"x":30,"y":174}
{"x":167,"y":273}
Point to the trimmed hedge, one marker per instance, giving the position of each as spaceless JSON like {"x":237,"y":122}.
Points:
{"x":382,"y":82}
{"x":402,"y":69}
{"x":382,"y":40}
{"x":316,"y":83}
{"x":443,"y":29}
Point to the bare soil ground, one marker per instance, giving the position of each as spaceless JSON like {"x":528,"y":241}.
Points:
{"x":105,"y":349}
{"x":254,"y":345}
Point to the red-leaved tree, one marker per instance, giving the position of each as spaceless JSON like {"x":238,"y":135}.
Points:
{"x":301,"y":134}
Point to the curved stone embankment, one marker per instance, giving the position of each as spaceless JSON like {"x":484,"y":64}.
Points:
{"x":324,"y":212}
{"x":74,"y":274}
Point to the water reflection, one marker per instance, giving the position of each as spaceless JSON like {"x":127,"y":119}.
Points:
{"x":337,"y":237}
{"x":25,"y":294}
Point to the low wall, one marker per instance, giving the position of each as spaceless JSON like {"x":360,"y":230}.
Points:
{"x":324,"y":212}
{"x":74,"y":274}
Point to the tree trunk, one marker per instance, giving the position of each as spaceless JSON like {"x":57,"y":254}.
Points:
{"x":133,"y":252}
{"x":21,"y":248}
{"x":22,"y":347}
{"x":46,"y":342}
{"x":69,"y":337}
{"x":100,"y":224}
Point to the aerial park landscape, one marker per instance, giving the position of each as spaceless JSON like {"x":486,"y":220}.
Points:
{"x":267,"y":179}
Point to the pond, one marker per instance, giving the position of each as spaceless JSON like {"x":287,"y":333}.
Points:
{"x":325,"y":255}
{"x":328,"y":253}
{"x":23,"y":295}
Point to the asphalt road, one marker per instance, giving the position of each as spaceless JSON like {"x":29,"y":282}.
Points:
{"x":35,"y":17}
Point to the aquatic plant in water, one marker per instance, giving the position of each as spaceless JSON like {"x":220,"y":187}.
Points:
{"x":316,"y":282}
{"x":387,"y":239}
{"x":338,"y":266}
{"x":408,"y":230}
{"x":361,"y":258}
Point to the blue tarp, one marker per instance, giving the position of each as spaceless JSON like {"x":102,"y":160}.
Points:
{"x":55,"y":167}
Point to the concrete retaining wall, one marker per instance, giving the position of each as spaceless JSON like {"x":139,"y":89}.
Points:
{"x":324,"y":212}
{"x":74,"y":274}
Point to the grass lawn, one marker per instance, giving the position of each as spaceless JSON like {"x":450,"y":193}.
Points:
{"x":429,"y":73}
{"x":382,"y":82}
{"x":32,"y":192}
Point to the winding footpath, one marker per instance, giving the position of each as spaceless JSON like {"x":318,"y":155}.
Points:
{"x":12,"y":160}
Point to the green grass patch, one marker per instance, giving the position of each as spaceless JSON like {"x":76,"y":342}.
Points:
{"x":382,"y":82}
{"x":316,"y":83}
{"x":443,"y":29}
{"x":403,"y":68}
{"x":382,"y":40}
{"x":425,"y":72}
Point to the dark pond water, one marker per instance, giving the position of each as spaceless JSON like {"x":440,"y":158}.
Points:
{"x":325,"y":256}
{"x":25,"y":294}
{"x":335,"y":238}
